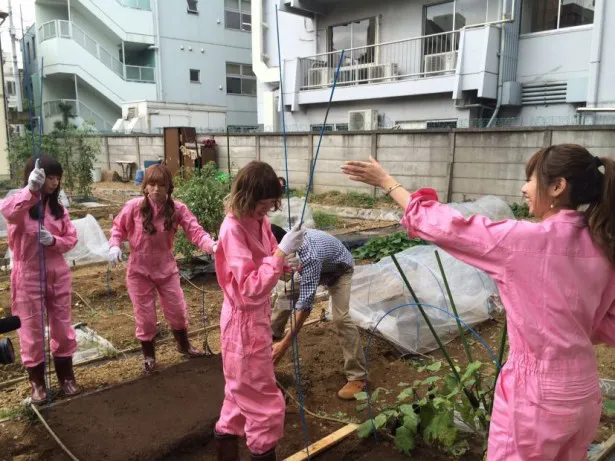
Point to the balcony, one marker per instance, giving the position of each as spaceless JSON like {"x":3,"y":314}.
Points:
{"x":465,"y":59}
{"x":52,"y":113}
{"x":413,"y":58}
{"x":66,"y":29}
{"x":136,"y":4}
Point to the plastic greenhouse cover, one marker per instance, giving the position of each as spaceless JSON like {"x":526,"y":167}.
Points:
{"x":92,"y":245}
{"x":378,"y":288}
{"x":280,"y":217}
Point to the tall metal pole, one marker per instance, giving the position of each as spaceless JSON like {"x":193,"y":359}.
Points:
{"x":13,"y":35}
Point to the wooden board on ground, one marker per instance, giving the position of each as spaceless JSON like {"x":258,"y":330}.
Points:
{"x":607,"y":448}
{"x":324,"y":443}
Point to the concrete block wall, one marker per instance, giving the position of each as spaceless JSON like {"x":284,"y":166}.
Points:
{"x":459,"y":164}
{"x":135,"y":149}
{"x":493,"y":163}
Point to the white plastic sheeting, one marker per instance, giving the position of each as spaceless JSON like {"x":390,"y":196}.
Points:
{"x":378,"y":288}
{"x":92,"y":245}
{"x":3,"y":229}
{"x":280,"y":217}
{"x":491,"y":206}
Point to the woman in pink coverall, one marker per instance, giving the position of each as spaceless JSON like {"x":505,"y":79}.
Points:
{"x":248,"y":265}
{"x":57,"y":236}
{"x":557,"y":282}
{"x":149,"y":224}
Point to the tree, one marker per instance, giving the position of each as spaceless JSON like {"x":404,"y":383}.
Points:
{"x":66,"y":110}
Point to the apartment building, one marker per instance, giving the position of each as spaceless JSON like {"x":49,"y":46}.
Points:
{"x":435,"y":63}
{"x":140,"y":65}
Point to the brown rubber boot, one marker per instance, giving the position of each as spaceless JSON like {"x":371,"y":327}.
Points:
{"x":66,"y":377}
{"x":351,"y":388}
{"x":227,"y":447}
{"x":36,"y":376}
{"x":269,"y":456}
{"x":183,"y":344}
{"x":149,"y":356}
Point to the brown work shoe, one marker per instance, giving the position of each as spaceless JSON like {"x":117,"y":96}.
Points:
{"x":351,"y":388}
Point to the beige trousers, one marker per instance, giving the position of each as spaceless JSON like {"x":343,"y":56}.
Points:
{"x":347,"y":331}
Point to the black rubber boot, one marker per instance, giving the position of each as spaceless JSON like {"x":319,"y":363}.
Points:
{"x":184,"y":346}
{"x":66,"y":377}
{"x":227,"y":447}
{"x":269,"y":456}
{"x":149,"y":356}
{"x":36,"y":376}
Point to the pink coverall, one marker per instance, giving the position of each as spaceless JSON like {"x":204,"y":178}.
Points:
{"x":247,"y":272}
{"x":152,"y":266}
{"x":558,"y":289}
{"x":26,"y":279}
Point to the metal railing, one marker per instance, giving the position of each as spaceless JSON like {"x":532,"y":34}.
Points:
{"x":66,"y":29}
{"x":425,"y":56}
{"x":136,"y":4}
{"x":140,"y":73}
{"x":80,"y":110}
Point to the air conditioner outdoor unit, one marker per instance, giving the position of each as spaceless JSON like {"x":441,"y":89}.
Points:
{"x":362,"y":120}
{"x":383,"y":73}
{"x":319,"y":77}
{"x":440,"y":63}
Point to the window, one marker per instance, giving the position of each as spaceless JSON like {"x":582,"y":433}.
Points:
{"x":541,"y":15}
{"x":33,"y":49}
{"x":240,"y":79}
{"x":360,"y":35}
{"x":237,"y":15}
{"x":10,"y":88}
{"x":195,"y":76}
{"x":450,"y":16}
{"x":193,"y":6}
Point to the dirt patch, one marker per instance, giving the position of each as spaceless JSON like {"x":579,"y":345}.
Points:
{"x":146,"y":419}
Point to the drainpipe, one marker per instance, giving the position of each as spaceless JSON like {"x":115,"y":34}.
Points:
{"x":264,"y":73}
{"x":595,"y":55}
{"x":498,"y":103}
{"x":159,"y":92}
{"x":501,"y":63}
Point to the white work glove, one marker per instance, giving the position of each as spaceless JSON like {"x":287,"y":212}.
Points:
{"x":115,"y":256}
{"x":46,"y":238}
{"x":293,"y":239}
{"x":36,"y":178}
{"x":214,"y":247}
{"x":293,"y":261}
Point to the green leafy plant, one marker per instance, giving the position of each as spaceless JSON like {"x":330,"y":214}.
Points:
{"x":427,"y":409}
{"x":520,"y":210}
{"x":380,"y":247}
{"x":324,"y":220}
{"x":203,"y":193}
{"x":76,"y":148}
{"x":609,"y":407}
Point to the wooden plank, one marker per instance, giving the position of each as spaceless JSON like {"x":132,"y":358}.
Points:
{"x":607,"y":448}
{"x":324,"y":443}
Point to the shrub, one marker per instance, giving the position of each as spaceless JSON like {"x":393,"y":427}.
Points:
{"x":377,"y":248}
{"x":203,"y":193}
